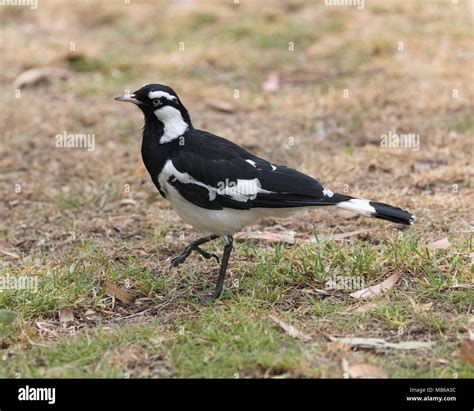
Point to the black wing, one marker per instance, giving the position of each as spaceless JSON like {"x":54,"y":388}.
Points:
{"x":214,"y":173}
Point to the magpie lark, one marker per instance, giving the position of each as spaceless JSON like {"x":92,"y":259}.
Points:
{"x":217,"y":186}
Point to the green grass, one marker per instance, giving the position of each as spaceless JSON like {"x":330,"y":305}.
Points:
{"x":233,"y":341}
{"x":234,"y":337}
{"x":98,"y":353}
{"x":464,"y":124}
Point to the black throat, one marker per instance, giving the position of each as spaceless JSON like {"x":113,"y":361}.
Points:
{"x":154,"y":154}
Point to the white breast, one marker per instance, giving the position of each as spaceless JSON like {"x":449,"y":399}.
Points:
{"x":220,"y":222}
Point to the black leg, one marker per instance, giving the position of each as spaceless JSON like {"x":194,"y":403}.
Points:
{"x":195,"y":246}
{"x":225,"y":260}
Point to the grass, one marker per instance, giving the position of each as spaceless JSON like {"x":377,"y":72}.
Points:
{"x":84,"y":220}
{"x":231,"y":342}
{"x":234,"y":337}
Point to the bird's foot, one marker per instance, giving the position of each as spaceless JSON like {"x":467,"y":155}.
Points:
{"x":208,"y":298}
{"x":180,"y":259}
{"x":207,"y":255}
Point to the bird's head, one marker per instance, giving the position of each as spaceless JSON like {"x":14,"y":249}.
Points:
{"x":160,"y":102}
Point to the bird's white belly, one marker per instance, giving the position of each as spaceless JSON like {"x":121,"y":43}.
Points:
{"x":219,"y":222}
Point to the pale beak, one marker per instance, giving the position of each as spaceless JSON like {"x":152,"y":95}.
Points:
{"x":128,"y":97}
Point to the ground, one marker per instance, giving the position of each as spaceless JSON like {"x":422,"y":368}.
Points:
{"x":309,"y":85}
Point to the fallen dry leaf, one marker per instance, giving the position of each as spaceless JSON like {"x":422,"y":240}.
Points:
{"x":272,"y":83}
{"x":90,"y":315}
{"x":115,"y":291}
{"x":466,"y":352}
{"x":426,"y":307}
{"x":267,"y":236}
{"x":342,"y":236}
{"x":9,"y":253}
{"x":289,"y":329}
{"x":221,"y":106}
{"x":36,"y":75}
{"x":420,"y":307}
{"x":290,"y":237}
{"x":6,"y":248}
{"x":66,"y":315}
{"x":127,"y":201}
{"x":377,"y":289}
{"x":439,"y":244}
{"x":463,"y":286}
{"x":363,"y":370}
{"x":381,"y":343}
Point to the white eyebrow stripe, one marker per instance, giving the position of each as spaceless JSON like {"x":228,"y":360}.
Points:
{"x":158,"y":94}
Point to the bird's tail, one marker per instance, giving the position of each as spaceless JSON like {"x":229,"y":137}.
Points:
{"x":377,"y":210}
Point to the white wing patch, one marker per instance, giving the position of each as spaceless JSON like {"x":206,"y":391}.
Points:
{"x":327,"y":192}
{"x":169,"y":170}
{"x":241,"y":190}
{"x":254,"y":164}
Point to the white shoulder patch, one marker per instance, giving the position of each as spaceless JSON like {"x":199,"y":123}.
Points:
{"x":169,"y":170}
{"x":241,"y":190}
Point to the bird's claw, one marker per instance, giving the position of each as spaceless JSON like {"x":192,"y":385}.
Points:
{"x":207,"y":298}
{"x":207,"y":255}
{"x":180,"y":259}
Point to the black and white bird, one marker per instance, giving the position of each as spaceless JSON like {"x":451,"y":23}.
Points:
{"x":217,"y":186}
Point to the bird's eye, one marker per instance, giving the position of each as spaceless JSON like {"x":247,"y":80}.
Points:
{"x":156,"y":102}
